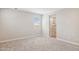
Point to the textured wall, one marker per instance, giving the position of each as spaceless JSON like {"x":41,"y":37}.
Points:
{"x":45,"y":25}
{"x":16,"y":24}
{"x":68,"y":24}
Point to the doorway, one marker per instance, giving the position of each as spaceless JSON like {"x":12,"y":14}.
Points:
{"x":52,"y":26}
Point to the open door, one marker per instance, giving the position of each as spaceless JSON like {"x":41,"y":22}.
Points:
{"x":52,"y":26}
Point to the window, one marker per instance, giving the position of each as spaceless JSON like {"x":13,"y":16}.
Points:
{"x":36,"y":20}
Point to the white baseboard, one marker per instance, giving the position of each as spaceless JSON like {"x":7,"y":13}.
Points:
{"x":25,"y":37}
{"x":74,"y":43}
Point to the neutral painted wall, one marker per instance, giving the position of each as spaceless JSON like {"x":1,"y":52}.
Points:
{"x":16,"y":24}
{"x":45,"y":25}
{"x":68,"y":24}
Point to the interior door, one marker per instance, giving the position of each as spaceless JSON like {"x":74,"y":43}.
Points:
{"x":52,"y":27}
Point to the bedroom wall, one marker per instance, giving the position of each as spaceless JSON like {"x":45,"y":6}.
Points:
{"x":45,"y":25}
{"x":68,"y":24}
{"x":16,"y":24}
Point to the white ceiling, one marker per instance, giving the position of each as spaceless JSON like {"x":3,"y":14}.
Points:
{"x":40,"y":10}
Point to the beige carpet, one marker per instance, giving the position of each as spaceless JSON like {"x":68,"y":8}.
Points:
{"x":37,"y":44}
